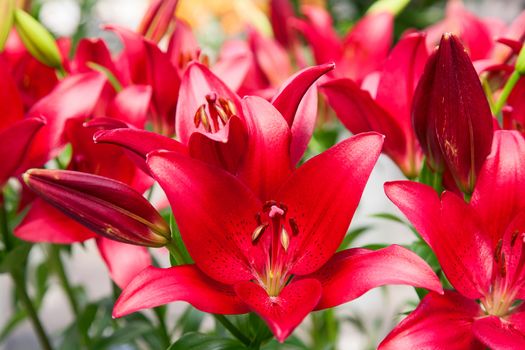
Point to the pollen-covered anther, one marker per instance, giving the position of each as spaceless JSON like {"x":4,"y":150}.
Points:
{"x":503,"y":266}
{"x":497,"y":251}
{"x":201,"y":117}
{"x":293,"y":226}
{"x":228,"y":106}
{"x":285,"y":239}
{"x":257,"y":233}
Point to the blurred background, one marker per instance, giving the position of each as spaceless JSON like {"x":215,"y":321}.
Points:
{"x":213,"y":21}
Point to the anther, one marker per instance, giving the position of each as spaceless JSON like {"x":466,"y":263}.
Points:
{"x":293,"y":226}
{"x":285,"y":239}
{"x":515,"y":235}
{"x":502,"y":266}
{"x":228,"y":106}
{"x":257,"y":233}
{"x":202,"y":117}
{"x":497,"y":252}
{"x":258,"y":218}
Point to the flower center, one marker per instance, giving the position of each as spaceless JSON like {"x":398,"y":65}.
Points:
{"x":273,"y":219}
{"x":215,"y":113}
{"x":506,"y":284}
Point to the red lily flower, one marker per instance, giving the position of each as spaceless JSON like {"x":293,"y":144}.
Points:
{"x":217,"y":127}
{"x":480,"y":246}
{"x":360,"y":53}
{"x":362,"y":111}
{"x":273,"y":257}
{"x":451,"y":114}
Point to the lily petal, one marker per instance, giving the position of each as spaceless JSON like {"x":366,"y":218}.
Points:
{"x":44,"y":223}
{"x":205,"y":202}
{"x":439,"y":322}
{"x":353,"y":272}
{"x":266,"y":164}
{"x":16,"y":141}
{"x":500,"y":191}
{"x":303,"y":125}
{"x":14,"y":110}
{"x":154,"y":287}
{"x":498,"y":334}
{"x":360,"y":113}
{"x":284,"y":312}
{"x":322,"y":196}
{"x":131,"y":105}
{"x":124,"y":261}
{"x":452,"y":230}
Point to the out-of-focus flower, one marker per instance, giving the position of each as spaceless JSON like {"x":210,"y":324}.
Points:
{"x":473,"y":32}
{"x":108,"y":207}
{"x":158,"y":19}
{"x":361,"y":52}
{"x":37,"y":39}
{"x":7,"y":13}
{"x":386,"y":107}
{"x":481,"y":249}
{"x":451,"y":114}
{"x":273,"y":257}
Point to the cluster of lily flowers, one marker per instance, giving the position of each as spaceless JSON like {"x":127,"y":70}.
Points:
{"x":257,"y":226}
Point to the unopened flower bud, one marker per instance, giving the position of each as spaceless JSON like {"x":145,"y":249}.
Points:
{"x":37,"y":40}
{"x":107,"y":207}
{"x":158,"y":19}
{"x":7,"y":11}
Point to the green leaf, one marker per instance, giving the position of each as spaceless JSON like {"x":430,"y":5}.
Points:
{"x":351,"y":236}
{"x":123,"y":335}
{"x":177,"y":239}
{"x":190,"y":320}
{"x":200,"y":341}
{"x":15,"y":259}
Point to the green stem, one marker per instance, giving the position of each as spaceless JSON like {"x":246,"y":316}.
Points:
{"x":68,"y":289}
{"x":232,"y":329}
{"x":20,"y":285}
{"x":175,"y":253}
{"x":163,"y":330}
{"x":507,"y":89}
{"x":31,"y":312}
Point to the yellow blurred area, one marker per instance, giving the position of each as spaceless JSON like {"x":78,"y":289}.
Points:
{"x":233,"y":15}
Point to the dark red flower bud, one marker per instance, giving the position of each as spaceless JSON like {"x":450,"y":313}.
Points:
{"x":108,"y":207}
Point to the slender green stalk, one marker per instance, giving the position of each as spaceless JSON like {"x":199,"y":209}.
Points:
{"x":163,"y":330}
{"x":175,"y":253}
{"x":507,"y":89}
{"x":20,"y":285}
{"x":31,"y":311}
{"x":232,"y":329}
{"x":68,"y":290}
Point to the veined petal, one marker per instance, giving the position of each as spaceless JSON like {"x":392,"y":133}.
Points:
{"x":322,"y":196}
{"x":353,"y":272}
{"x":197,"y":82}
{"x":439,"y":322}
{"x":14,"y":110}
{"x":271,"y":57}
{"x":215,"y":228}
{"x":293,"y":90}
{"x":286,"y":311}
{"x":360,"y":113}
{"x":452,"y":230}
{"x":154,"y":287}
{"x":498,"y":334}
{"x":500,"y":191}
{"x":44,"y":223}
{"x":15,"y":142}
{"x":92,"y":51}
{"x":266,"y":164}
{"x":124,"y":261}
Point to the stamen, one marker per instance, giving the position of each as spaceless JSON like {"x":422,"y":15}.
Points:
{"x":258,"y":218}
{"x":293,"y":226}
{"x":258,"y":232}
{"x":502,"y":266}
{"x":285,"y":239}
{"x":228,"y":106}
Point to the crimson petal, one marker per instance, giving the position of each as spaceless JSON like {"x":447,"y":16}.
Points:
{"x":205,"y":202}
{"x":124,"y":261}
{"x":322,"y":196}
{"x":284,"y":312}
{"x":497,"y":333}
{"x":353,"y":272}
{"x":439,"y":322}
{"x":154,"y":287}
